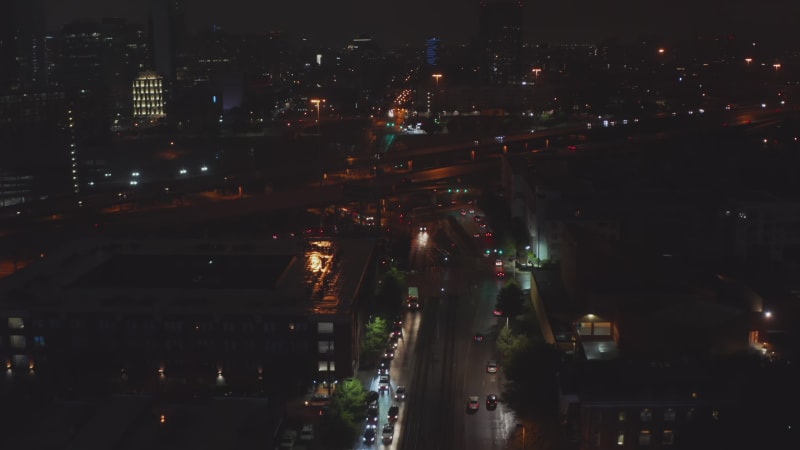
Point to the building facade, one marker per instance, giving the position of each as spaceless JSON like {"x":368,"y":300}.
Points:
{"x":190,"y":315}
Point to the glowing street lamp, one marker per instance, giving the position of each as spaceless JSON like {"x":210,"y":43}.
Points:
{"x":436,"y":77}
{"x":318,"y":102}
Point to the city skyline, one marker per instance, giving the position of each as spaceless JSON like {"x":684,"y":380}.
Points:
{"x":572,"y":21}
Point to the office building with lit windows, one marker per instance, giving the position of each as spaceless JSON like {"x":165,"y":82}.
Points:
{"x":198,"y":315}
{"x":148,"y":96}
{"x":432,"y":51}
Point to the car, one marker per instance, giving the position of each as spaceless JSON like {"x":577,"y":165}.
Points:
{"x":369,"y":436}
{"x":491,"y":402}
{"x":394,"y":411}
{"x":372,"y":397}
{"x":288,"y":439}
{"x":400,"y":393}
{"x":423,"y":228}
{"x":389,"y":353}
{"x":372,"y":417}
{"x":384,"y":365}
{"x":383,"y":383}
{"x":478,"y":337}
{"x":393,"y":341}
{"x":307,"y":433}
{"x":498,"y":263}
{"x":473,"y":404}
{"x":491,"y":366}
{"x":498,"y":312}
{"x":398,"y":321}
{"x":387,"y":434}
{"x":501,"y":275}
{"x":318,"y":399}
{"x":397,"y":330}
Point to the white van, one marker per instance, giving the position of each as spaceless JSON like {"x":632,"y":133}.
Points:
{"x":288,"y":439}
{"x":307,"y":433}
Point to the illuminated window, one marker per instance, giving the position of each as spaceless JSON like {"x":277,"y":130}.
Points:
{"x":16,"y":323}
{"x":646,"y":415}
{"x":291,"y":326}
{"x":644,"y":437}
{"x":715,"y":414}
{"x":621,"y":438}
{"x":622,"y":416}
{"x":325,"y":327}
{"x":669,"y":415}
{"x":17,"y":341}
{"x":38,"y":341}
{"x":327,"y":366}
{"x":325,"y":347}
{"x":668,"y":438}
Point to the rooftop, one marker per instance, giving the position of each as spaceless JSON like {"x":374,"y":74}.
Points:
{"x":297,"y":276}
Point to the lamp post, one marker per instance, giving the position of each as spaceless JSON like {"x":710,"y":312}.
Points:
{"x":317,"y":102}
{"x":436,"y":77}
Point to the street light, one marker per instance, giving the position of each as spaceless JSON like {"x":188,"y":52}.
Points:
{"x":436,"y":77}
{"x":318,"y":102}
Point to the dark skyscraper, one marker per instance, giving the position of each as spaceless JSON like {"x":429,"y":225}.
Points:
{"x":166,"y":27}
{"x":501,"y":36}
{"x":22,"y":52}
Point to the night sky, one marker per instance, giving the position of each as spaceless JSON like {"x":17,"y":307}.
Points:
{"x":455,"y":21}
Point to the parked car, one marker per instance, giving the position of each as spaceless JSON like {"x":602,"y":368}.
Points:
{"x":400,"y":393}
{"x":288,"y":439}
{"x":318,"y":399}
{"x":307,"y":433}
{"x":491,"y":366}
{"x":394,"y":412}
{"x":387,"y":434}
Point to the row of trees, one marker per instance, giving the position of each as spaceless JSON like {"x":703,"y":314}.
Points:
{"x":343,"y":420}
{"x":530,"y":364}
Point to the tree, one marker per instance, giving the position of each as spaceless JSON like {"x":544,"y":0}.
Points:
{"x":509,"y":342}
{"x":375,"y":339}
{"x":510,"y":300}
{"x":531,"y":367}
{"x":342,"y":422}
{"x":390,"y":294}
{"x":351,"y":396}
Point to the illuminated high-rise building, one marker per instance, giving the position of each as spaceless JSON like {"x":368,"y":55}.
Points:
{"x":432,"y":49}
{"x":148,"y":96}
{"x":501,"y":36}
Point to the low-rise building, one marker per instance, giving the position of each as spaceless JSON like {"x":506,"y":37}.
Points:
{"x":160,"y":315}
